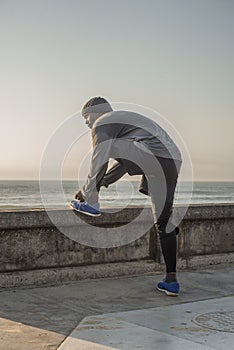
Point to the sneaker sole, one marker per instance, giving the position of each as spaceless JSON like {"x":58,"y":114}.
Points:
{"x":84,"y":212}
{"x":170,"y":294}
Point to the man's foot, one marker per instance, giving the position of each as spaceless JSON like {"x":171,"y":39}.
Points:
{"x":172,"y":289}
{"x":85,"y":208}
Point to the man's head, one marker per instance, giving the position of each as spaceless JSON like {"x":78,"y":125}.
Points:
{"x":94,"y":108}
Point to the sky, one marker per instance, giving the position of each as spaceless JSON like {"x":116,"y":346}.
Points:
{"x":173,"y":56}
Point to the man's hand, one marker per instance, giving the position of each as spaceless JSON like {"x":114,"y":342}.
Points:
{"x":79,"y":196}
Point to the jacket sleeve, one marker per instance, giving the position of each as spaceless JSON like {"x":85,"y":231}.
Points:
{"x":113,"y":174}
{"x":101,"y":153}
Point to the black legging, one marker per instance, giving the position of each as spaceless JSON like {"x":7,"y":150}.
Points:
{"x":166,"y":230}
{"x":161,"y":192}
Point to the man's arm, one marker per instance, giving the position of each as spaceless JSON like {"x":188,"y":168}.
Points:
{"x":113,"y":174}
{"x":98,"y":167}
{"x":102,"y":146}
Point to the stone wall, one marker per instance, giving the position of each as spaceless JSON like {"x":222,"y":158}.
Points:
{"x":29,"y":242}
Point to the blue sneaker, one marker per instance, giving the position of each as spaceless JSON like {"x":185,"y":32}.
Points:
{"x":85,"y":208}
{"x":172,"y":289}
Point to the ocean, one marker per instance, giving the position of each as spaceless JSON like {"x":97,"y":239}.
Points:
{"x":26,"y":194}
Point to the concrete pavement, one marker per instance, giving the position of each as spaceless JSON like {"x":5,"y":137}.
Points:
{"x":130,"y":313}
{"x":202,"y":325}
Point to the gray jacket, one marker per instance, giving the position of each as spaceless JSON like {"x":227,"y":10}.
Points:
{"x":109,"y":132}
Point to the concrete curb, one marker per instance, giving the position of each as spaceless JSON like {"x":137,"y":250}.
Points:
{"x":69,"y":274}
{"x":57,"y":276}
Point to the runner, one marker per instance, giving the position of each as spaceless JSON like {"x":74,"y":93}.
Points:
{"x":140,"y":147}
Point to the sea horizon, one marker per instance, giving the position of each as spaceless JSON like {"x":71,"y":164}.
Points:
{"x":25,"y":194}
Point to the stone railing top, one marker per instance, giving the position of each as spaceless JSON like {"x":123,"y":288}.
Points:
{"x":115,"y":216}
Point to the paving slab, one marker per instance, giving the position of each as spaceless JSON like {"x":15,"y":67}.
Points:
{"x":196,"y":326}
{"x":120,"y":335}
{"x":40,"y":318}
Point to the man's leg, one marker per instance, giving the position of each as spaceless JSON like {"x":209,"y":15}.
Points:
{"x":168,"y":235}
{"x":159,"y":181}
{"x":162,"y":209}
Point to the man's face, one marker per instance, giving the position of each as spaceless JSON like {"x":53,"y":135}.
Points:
{"x":90,"y":119}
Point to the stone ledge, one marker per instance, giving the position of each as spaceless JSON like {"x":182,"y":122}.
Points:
{"x":39,"y":218}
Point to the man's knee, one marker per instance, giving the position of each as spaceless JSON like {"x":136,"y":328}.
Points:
{"x":165,"y":235}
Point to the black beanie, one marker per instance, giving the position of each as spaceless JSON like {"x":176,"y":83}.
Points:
{"x":96,"y":105}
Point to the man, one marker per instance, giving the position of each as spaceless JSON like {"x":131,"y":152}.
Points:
{"x":140,"y":147}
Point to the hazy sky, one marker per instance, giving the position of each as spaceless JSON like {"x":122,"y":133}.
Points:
{"x":174,"y":56}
